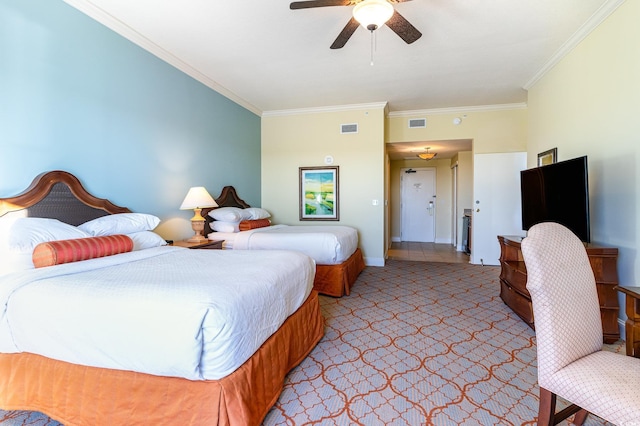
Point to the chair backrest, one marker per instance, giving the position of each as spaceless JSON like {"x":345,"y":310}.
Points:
{"x":563,"y":291}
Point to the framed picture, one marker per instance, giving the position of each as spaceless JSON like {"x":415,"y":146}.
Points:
{"x":548,"y":157}
{"x":319,"y":193}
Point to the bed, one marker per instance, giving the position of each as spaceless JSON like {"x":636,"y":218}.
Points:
{"x":335,"y":249}
{"x":130,"y":338}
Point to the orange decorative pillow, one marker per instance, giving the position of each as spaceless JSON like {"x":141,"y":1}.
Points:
{"x":246,"y":225}
{"x":65,"y":251}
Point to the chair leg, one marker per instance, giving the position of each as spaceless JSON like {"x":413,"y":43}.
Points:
{"x":580,"y":417}
{"x":547,"y":408}
{"x":547,"y":415}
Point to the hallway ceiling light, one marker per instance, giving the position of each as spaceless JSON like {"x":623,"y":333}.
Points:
{"x":427,"y":155}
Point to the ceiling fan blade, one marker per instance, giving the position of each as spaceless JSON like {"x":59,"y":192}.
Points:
{"x":345,"y":34}
{"x":403,"y":28}
{"x":318,"y":3}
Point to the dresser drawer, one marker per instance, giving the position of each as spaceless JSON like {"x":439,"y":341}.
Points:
{"x":515,"y":273}
{"x":520,"y":304}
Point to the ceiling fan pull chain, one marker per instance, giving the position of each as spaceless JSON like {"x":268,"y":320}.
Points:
{"x":372,"y":41}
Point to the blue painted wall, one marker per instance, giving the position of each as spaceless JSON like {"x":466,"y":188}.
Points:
{"x":76,"y":96}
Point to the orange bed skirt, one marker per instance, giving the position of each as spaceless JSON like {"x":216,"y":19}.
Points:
{"x":79,"y":395}
{"x":337,"y":280}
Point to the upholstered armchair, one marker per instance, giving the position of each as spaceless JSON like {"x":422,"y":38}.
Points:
{"x":571,"y":361}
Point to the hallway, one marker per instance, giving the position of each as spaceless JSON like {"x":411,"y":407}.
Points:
{"x":426,"y":252}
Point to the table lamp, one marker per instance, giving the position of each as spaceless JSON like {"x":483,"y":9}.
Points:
{"x":197,"y":198}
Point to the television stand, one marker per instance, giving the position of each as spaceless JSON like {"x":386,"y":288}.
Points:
{"x":514,"y":293}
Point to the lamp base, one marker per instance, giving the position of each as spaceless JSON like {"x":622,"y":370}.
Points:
{"x":197,"y":224}
{"x":197,"y":239}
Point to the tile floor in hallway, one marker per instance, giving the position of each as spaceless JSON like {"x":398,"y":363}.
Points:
{"x":426,"y":252}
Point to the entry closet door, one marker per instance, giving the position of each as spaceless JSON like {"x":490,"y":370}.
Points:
{"x":496,"y":208}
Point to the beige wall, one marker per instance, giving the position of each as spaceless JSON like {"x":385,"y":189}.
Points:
{"x":492,"y":129}
{"x":465,"y":190}
{"x":302,"y":139}
{"x":588,"y":105}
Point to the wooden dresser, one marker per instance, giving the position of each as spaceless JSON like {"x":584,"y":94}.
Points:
{"x":513,"y":281}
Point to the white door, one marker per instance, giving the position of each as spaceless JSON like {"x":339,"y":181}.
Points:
{"x":418,"y":205}
{"x":496,"y":208}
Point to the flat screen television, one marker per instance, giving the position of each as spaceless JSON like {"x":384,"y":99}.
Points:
{"x":559,"y":193}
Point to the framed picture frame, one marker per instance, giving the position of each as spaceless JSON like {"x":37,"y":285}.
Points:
{"x":319,"y":193}
{"x":548,"y":157}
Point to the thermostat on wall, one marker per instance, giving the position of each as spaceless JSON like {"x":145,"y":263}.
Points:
{"x":328,"y":159}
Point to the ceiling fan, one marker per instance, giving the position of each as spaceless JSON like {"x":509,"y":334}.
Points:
{"x":369,"y":9}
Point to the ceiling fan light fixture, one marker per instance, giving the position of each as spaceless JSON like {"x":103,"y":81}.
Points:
{"x":372,"y":14}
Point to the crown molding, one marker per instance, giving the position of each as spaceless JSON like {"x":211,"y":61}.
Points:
{"x":335,"y":108}
{"x":457,"y":110}
{"x":592,"y":23}
{"x":99,"y":15}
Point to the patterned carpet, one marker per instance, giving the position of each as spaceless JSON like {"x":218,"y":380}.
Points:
{"x":415,"y":343}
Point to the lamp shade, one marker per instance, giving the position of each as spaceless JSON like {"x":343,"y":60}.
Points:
{"x":197,"y":198}
{"x":373,"y":14}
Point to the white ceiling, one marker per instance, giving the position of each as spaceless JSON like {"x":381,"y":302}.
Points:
{"x":268,"y":58}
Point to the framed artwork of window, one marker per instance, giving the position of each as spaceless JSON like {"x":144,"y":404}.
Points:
{"x":319,"y":193}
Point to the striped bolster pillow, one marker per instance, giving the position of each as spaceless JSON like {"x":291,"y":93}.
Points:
{"x":246,"y":225}
{"x":65,"y":251}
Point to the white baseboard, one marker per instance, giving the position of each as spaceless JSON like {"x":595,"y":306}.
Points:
{"x":373,"y":261}
{"x":622,"y":327}
{"x":438,"y":240}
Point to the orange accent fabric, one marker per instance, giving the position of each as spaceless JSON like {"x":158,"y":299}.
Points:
{"x":337,"y":280}
{"x":246,"y":225}
{"x":65,"y":251}
{"x":77,"y":395}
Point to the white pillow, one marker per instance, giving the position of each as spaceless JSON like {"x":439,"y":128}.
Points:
{"x":227,"y":214}
{"x":121,"y":223}
{"x":27,"y":232}
{"x":255,"y":213}
{"x":146,"y":239}
{"x":220,"y":226}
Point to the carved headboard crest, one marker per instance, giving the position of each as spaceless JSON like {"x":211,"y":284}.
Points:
{"x":59,"y":195}
{"x":228,"y":198}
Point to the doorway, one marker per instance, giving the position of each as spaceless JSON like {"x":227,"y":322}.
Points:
{"x":418,"y":208}
{"x":454,"y":205}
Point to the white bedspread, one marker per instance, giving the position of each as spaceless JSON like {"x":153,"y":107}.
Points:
{"x":327,"y":245}
{"x":168,"y":311}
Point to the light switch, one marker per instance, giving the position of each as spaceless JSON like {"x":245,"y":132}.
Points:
{"x":374,"y":202}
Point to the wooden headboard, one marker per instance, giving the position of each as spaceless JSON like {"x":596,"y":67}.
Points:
{"x":228,"y":198}
{"x":59,"y":195}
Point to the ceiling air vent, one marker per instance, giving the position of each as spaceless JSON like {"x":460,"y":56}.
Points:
{"x":416,"y":123}
{"x":349,"y":128}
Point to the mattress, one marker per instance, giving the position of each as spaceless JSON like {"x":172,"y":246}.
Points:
{"x":327,"y":245}
{"x":166,"y":311}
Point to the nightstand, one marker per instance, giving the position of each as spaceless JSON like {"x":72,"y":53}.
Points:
{"x":209,"y":244}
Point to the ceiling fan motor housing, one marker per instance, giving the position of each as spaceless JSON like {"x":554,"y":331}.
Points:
{"x":371,"y":20}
